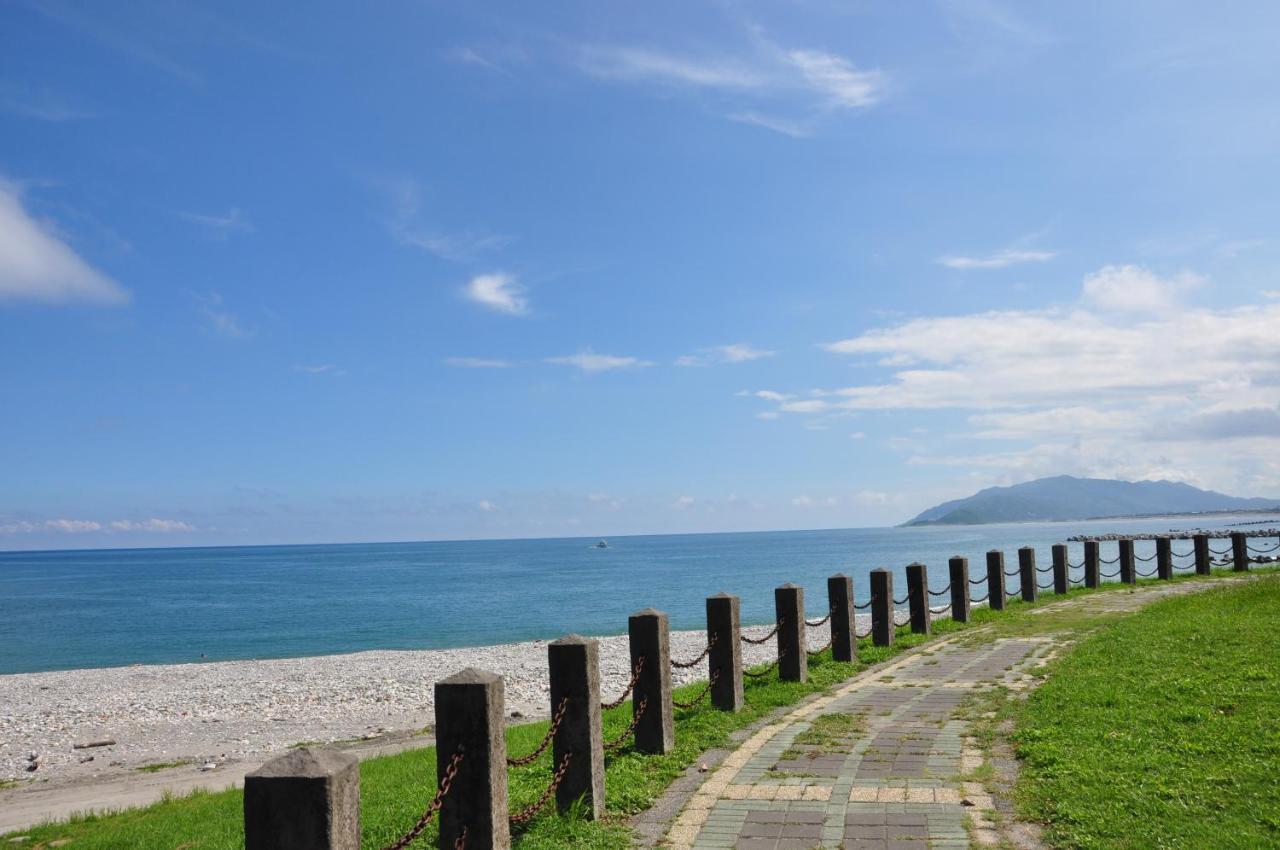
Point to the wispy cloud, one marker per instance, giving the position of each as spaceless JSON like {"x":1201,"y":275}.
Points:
{"x":735,"y":353}
{"x":589,"y":361}
{"x":406,"y":224}
{"x":498,"y":291}
{"x":998,"y":260}
{"x":787,"y":90}
{"x":221,"y":321}
{"x":37,"y":265}
{"x":64,"y":525}
{"x":221,"y":225}
{"x":322,"y":369}
{"x":478,"y":362}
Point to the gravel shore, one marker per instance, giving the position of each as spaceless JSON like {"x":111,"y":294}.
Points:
{"x":244,"y":711}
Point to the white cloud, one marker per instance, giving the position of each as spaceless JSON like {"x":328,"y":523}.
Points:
{"x":858,"y":435}
{"x":835,"y":77}
{"x":767,"y":415}
{"x":498,"y":291}
{"x":1136,"y":289}
{"x":73,"y":526}
{"x":232,"y":222}
{"x":37,"y":265}
{"x":405,"y":223}
{"x":221,"y":321}
{"x":809,"y":502}
{"x":735,"y":353}
{"x":486,"y":506}
{"x":589,"y":361}
{"x":998,"y":260}
{"x":1118,"y":384}
{"x":682,"y":502}
{"x":478,"y":362}
{"x":755,"y":80}
{"x":1270,"y":293}
{"x":156,"y":524}
{"x":322,"y":369}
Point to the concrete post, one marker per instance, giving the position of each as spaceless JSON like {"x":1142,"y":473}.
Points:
{"x":1092,"y":564}
{"x":793,"y":661}
{"x":470,"y":719}
{"x":995,"y":580}
{"x":1239,"y":551}
{"x":574,"y":666}
{"x":1027,"y":573}
{"x":650,"y":637}
{"x":1128,"y":575}
{"x":724,"y":661}
{"x":1200,"y":542}
{"x":304,"y":800}
{"x":1060,"y":578}
{"x":844,"y":643}
{"x":959,"y":568}
{"x":1164,"y":558}
{"x":918,"y":597}
{"x":882,"y":607}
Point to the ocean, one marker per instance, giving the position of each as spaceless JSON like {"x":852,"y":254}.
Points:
{"x":103,"y":608}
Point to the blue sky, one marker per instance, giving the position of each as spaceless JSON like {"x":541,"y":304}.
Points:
{"x":432,"y":270}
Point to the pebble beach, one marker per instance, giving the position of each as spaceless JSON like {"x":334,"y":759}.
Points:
{"x":206,"y":715}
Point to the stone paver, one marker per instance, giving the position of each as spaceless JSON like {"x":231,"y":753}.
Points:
{"x":896,"y":783}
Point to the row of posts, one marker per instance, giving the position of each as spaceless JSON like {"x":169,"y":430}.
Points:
{"x":310,"y":799}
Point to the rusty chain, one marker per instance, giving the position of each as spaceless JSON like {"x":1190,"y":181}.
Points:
{"x":446,"y":782}
{"x":700,"y":697}
{"x":821,"y":649}
{"x":685,"y":665}
{"x":461,"y":842}
{"x":527,"y":814}
{"x":635,"y":677}
{"x":765,"y":639}
{"x":823,"y":621}
{"x":610,"y":746}
{"x":551,"y":731}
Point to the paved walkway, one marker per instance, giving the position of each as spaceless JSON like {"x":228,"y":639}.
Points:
{"x":877,"y":763}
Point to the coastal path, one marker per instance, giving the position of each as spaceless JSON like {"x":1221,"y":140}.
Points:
{"x":886,"y":761}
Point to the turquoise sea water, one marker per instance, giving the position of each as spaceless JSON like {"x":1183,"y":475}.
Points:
{"x":61,"y":610}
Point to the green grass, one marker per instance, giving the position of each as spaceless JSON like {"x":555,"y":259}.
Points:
{"x":1161,"y":729}
{"x":394,"y":789}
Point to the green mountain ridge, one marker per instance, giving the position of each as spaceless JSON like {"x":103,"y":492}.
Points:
{"x":1064,"y":497}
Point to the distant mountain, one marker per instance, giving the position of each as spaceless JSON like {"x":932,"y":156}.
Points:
{"x":1065,"y":498}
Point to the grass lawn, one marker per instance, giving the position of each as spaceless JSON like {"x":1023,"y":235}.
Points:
{"x":1161,"y":729}
{"x":395,"y":788}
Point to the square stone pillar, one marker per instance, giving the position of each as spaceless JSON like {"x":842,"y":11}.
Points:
{"x":1027,"y":573}
{"x":1204,"y":564}
{"x":793,"y":660}
{"x":650,"y":637}
{"x":844,"y":643}
{"x":1061,"y":583}
{"x":1239,"y":551}
{"x":918,"y":598}
{"x":470,"y":718}
{"x":724,"y":661}
{"x":1092,"y":564}
{"x":995,"y":580}
{"x":1128,"y":564}
{"x":960,"y":608}
{"x":303,"y":800}
{"x":574,"y":666}
{"x":882,"y":626}
{"x":1164,"y":558}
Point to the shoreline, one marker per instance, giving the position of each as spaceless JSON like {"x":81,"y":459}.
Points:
{"x":202,"y":717}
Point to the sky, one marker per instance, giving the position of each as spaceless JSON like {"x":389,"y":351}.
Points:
{"x":428,"y":270}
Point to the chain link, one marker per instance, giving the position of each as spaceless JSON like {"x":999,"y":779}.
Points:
{"x":765,"y":639}
{"x":765,"y":672}
{"x":461,"y":842}
{"x":635,"y":677}
{"x":942,"y":592}
{"x":551,"y":731}
{"x":685,"y":665}
{"x":700,"y":697}
{"x":821,"y":649}
{"x":823,"y":621}
{"x":527,"y":815}
{"x":446,"y":782}
{"x":610,"y":746}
